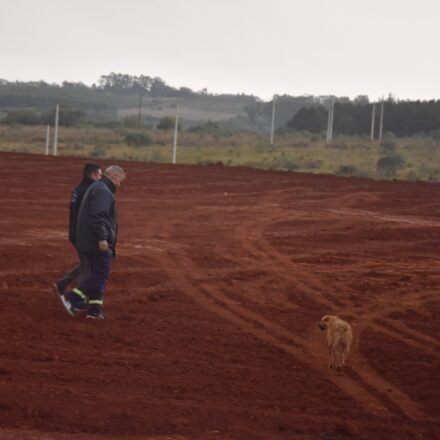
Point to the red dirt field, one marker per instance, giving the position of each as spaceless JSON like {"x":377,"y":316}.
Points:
{"x":212,"y":307}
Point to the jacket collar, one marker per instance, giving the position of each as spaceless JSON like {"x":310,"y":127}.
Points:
{"x":109,"y":183}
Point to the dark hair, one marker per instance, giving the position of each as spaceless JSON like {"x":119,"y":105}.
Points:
{"x":89,"y":169}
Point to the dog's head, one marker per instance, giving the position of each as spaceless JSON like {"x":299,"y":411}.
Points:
{"x":325,"y":320}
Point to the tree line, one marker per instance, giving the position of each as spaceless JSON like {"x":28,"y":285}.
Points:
{"x":118,"y":83}
{"x":33,"y":103}
{"x":102,"y":101}
{"x":67,"y":117}
{"x":402,"y":118}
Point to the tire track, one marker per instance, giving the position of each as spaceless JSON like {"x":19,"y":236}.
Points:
{"x":257,"y":246}
{"x":364,"y":386}
{"x":366,"y":374}
{"x":410,"y":337}
{"x":215,"y":301}
{"x":246,"y":320}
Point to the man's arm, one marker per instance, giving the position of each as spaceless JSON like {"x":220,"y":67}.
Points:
{"x":100,"y":204}
{"x":73,"y":215}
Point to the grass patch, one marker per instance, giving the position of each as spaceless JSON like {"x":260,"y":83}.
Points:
{"x":415,"y":158}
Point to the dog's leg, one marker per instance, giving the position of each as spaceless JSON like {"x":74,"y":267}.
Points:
{"x":339,"y":361}
{"x":343,"y":356}
{"x":332,"y":356}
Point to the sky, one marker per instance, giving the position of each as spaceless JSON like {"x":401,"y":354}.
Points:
{"x":258,"y":47}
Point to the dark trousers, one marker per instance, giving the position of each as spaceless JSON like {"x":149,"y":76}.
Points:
{"x":82,"y":271}
{"x":92,"y":288}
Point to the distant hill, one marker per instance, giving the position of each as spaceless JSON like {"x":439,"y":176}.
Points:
{"x":105,"y":103}
{"x":191,"y":110}
{"x":118,"y":96}
{"x":120,"y":99}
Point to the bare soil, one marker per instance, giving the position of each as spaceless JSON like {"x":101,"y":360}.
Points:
{"x":212,"y":307}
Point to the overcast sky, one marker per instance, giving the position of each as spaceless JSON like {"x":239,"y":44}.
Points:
{"x":259,"y":47}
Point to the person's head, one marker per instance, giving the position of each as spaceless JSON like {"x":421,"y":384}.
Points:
{"x":92,"y":171}
{"x":116,"y":174}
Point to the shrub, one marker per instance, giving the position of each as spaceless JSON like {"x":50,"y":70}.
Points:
{"x":24,"y":116}
{"x":138,"y":139}
{"x":389,"y":165}
{"x":292,"y":166}
{"x":313,"y":164}
{"x":99,"y":151}
{"x":68,"y":117}
{"x":207,"y":127}
{"x":166,"y":123}
{"x":282,"y":162}
{"x":71,"y":117}
{"x":347,"y":170}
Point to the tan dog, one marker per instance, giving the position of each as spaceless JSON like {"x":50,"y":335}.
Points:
{"x":339,"y":337}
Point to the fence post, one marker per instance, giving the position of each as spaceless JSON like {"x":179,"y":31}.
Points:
{"x":273,"y":120}
{"x":381,"y":122}
{"x":331,"y":113}
{"x":176,"y":128}
{"x":373,"y":115}
{"x":46,"y":147}
{"x":55,"y":136}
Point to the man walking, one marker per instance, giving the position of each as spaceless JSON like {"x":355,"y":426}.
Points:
{"x":96,"y":237}
{"x":91,"y":173}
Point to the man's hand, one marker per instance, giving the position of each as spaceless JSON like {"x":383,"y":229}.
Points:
{"x":103,"y":246}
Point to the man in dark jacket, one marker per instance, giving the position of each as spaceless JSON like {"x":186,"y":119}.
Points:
{"x":91,"y":173}
{"x":96,"y":236}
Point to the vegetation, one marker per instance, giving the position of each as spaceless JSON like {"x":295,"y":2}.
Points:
{"x":410,"y":158}
{"x":132,"y":117}
{"x":67,"y":117}
{"x":404,"y":118}
{"x":117,"y":96}
{"x":138,"y":139}
{"x":24,"y":116}
{"x":389,"y":165}
{"x":166,"y":123}
{"x":144,"y":101}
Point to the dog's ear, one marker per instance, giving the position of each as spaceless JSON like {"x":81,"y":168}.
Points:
{"x":329,"y":318}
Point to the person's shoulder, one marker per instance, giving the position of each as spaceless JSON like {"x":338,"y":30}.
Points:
{"x":100,"y":187}
{"x":83,"y":185}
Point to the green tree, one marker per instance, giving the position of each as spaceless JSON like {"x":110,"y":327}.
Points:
{"x":166,"y":123}
{"x":23,"y":116}
{"x":67,"y":117}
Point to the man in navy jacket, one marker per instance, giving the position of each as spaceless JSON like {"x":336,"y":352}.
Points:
{"x":91,"y":173}
{"x":96,"y":237}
